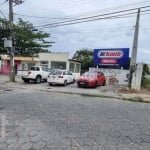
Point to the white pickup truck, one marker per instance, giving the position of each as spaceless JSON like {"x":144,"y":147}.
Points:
{"x":36,"y":73}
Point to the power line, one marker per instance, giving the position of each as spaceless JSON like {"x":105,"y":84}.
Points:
{"x":95,"y":17}
{"x":3,"y":14}
{"x":121,"y":6}
{"x":42,"y":17}
{"x":81,"y":14}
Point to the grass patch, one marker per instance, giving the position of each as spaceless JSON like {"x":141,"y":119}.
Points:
{"x":133,"y":99}
{"x":146,"y":83}
{"x":136,"y":99}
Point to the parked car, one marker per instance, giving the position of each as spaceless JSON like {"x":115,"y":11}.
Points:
{"x":36,"y":73}
{"x":91,"y":79}
{"x":63,"y":77}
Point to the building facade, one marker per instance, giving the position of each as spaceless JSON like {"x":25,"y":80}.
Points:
{"x":51,"y":60}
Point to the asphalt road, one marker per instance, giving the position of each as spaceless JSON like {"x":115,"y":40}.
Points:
{"x":32,"y":119}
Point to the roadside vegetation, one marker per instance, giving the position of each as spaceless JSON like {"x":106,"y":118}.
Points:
{"x":145,"y":81}
{"x":27,"y":40}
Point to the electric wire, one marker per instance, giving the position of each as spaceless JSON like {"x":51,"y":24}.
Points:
{"x":112,"y":17}
{"x":93,"y":17}
{"x":118,"y":7}
{"x":2,"y":14}
{"x":82,"y":14}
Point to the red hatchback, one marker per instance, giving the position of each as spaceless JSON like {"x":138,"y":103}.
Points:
{"x":91,"y":79}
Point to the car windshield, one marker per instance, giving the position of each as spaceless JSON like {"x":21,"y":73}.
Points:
{"x":51,"y":72}
{"x":89,"y":74}
{"x":35,"y":68}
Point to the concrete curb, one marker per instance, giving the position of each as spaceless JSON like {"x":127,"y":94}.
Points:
{"x":120,"y":97}
{"x":134,"y":97}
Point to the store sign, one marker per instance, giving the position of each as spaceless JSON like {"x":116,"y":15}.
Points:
{"x":117,"y":56}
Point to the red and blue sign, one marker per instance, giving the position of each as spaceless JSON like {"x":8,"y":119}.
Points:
{"x":109,"y":57}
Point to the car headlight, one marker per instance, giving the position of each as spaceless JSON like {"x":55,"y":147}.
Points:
{"x":91,"y":79}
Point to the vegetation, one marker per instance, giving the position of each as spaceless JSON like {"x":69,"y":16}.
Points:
{"x":86,"y":57}
{"x":145,"y":82}
{"x":25,"y":41}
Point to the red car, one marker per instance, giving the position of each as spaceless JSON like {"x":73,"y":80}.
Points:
{"x":91,"y":79}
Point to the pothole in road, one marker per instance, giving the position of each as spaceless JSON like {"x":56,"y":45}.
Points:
{"x":7,"y":89}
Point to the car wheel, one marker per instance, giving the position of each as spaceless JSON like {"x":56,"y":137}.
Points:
{"x":49,"y":84}
{"x":104,"y":83}
{"x":26,"y":80}
{"x":73,"y":81}
{"x":38,"y":79}
{"x":65,"y":82}
{"x":95,"y":84}
{"x":78,"y":85}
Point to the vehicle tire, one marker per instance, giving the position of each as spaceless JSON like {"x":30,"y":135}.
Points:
{"x":73,"y":81}
{"x":65,"y":82}
{"x":78,"y":85}
{"x":104,"y":83}
{"x":26,"y":80}
{"x":49,"y":84}
{"x":95,"y":84}
{"x":38,"y":79}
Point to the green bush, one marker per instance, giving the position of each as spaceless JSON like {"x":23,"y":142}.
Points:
{"x":146,"y":83}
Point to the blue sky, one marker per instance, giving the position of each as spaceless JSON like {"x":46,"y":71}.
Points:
{"x":108,"y":33}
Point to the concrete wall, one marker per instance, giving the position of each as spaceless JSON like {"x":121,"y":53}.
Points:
{"x":114,"y":75}
{"x":136,"y":78}
{"x":26,"y":62}
{"x":53,"y":57}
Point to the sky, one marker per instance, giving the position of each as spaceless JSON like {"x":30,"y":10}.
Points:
{"x":103,"y":33}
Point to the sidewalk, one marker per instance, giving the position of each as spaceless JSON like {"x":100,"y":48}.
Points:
{"x":108,"y":91}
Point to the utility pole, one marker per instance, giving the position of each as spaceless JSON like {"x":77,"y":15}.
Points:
{"x":134,"y":49}
{"x":12,"y":69}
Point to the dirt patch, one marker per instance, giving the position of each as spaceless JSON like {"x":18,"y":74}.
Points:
{"x":129,"y":90}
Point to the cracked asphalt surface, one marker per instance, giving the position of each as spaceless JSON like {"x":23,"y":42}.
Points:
{"x":36,"y":120}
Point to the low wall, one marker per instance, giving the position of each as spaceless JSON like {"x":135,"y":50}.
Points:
{"x":114,"y":76}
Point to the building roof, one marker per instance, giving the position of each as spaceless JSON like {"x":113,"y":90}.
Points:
{"x":74,"y":60}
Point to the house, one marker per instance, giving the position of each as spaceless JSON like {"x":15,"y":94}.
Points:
{"x":19,"y":63}
{"x":59,"y":60}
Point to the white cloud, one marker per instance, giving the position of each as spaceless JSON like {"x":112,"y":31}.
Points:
{"x":98,"y":34}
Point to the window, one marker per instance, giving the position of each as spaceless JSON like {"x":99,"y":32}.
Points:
{"x":69,"y":73}
{"x":77,"y":70}
{"x":23,"y":66}
{"x":44,"y":63}
{"x":35,"y":68}
{"x":71,"y":67}
{"x":58,"y":65}
{"x":65,"y":73}
{"x":45,"y":69}
{"x":30,"y":65}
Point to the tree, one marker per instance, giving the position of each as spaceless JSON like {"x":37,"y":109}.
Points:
{"x":4,"y":32}
{"x":145,"y":71}
{"x":26,"y":42}
{"x":86,"y":57}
